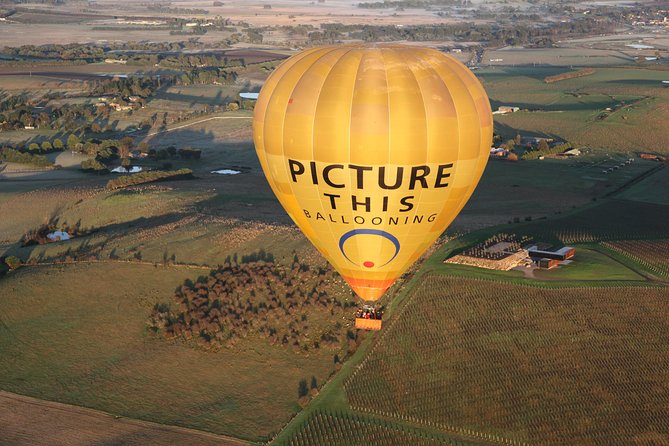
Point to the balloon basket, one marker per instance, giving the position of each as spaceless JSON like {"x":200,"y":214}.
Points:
{"x":368,"y":324}
{"x":368,"y":318}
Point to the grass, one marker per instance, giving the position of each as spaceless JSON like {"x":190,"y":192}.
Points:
{"x":88,"y":345}
{"x":590,"y":264}
{"x":572,"y":109}
{"x":650,"y":190}
{"x":544,"y":188}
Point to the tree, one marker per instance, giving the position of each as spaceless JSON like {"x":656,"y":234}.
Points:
{"x":14,"y":262}
{"x":125,"y":162}
{"x":46,"y":146}
{"x":302,"y":389}
{"x":543,"y":145}
{"x":232,"y":106}
{"x":72,"y":141}
{"x":510,"y":145}
{"x":517,"y":139}
{"x":314,"y":382}
{"x":94,"y":165}
{"x":34,"y":147}
{"x":58,"y":144}
{"x":125,"y":146}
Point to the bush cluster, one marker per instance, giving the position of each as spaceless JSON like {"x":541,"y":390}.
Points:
{"x":261,"y":298}
{"x":147,"y":177}
{"x":569,"y":75}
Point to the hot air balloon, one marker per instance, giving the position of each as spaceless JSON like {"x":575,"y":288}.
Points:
{"x":372,"y":150}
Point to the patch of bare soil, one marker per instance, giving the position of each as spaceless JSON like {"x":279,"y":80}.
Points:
{"x":28,"y":421}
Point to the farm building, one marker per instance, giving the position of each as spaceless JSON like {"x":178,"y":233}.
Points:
{"x":498,"y":152}
{"x":570,"y":152}
{"x":652,"y":157}
{"x":504,"y":109}
{"x":564,"y":253}
{"x":248,"y":95}
{"x":547,"y":263}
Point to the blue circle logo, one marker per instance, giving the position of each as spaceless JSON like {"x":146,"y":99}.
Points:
{"x":375,"y":232}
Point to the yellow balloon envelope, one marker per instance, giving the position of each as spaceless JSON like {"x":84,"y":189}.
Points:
{"x":373,"y":150}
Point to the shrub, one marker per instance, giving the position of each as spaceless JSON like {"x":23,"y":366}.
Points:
{"x":569,"y":75}
{"x":94,"y":165}
{"x":302,"y":389}
{"x":72,"y":142}
{"x":189,"y":153}
{"x":13,"y":262}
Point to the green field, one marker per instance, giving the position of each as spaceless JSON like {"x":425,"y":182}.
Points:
{"x":651,"y":189}
{"x":575,"y":109}
{"x":590,"y":264}
{"x":544,"y":188}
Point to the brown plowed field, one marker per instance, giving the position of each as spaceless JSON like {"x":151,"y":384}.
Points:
{"x":28,"y":421}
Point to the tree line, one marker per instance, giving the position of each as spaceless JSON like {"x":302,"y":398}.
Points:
{"x":147,"y":177}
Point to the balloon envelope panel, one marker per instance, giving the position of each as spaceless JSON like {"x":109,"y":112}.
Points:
{"x":373,"y":150}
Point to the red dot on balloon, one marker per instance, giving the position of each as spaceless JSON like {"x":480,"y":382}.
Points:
{"x":368,"y":264}
{"x":290,"y":101}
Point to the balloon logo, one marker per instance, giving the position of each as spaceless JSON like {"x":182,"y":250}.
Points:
{"x":372,"y":232}
{"x":372,"y":150}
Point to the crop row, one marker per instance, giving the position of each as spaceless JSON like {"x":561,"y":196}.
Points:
{"x":346,"y":429}
{"x":613,"y":220}
{"x":652,"y":254}
{"x":516,"y":364}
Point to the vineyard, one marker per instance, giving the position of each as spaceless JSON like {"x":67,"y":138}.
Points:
{"x":324,"y":429}
{"x":652,"y":254}
{"x":507,"y":243}
{"x":614,"y":220}
{"x":513,"y":364}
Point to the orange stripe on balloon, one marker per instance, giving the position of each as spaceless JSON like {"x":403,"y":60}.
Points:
{"x":369,"y":289}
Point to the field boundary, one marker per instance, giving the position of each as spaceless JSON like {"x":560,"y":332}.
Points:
{"x":134,"y":262}
{"x":158,"y":132}
{"x":85,"y":411}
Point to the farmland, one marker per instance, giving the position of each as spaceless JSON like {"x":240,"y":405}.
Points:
{"x":509,"y":352}
{"x":191,"y":310}
{"x":652,"y":254}
{"x":325,"y":429}
{"x":68,"y":345}
{"x":29,"y":421}
{"x":576,"y":109}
